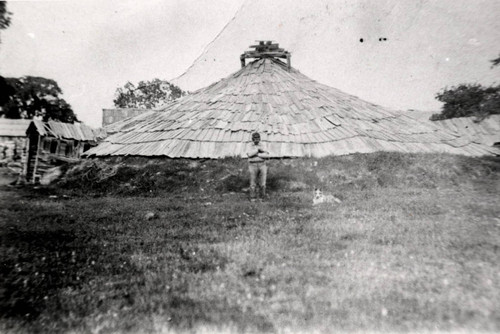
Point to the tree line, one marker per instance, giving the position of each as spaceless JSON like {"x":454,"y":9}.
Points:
{"x":469,"y":99}
{"x":147,"y":94}
{"x":28,"y":97}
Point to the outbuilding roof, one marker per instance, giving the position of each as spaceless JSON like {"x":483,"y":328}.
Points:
{"x":13,"y":127}
{"x":295,"y":115}
{"x":76,"y":131}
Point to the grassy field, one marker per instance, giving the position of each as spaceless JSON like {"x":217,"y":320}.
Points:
{"x":127,"y":247}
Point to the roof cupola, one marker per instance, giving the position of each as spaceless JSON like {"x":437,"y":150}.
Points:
{"x":266,"y":49}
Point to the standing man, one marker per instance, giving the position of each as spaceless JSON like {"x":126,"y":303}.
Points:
{"x":257,"y":155}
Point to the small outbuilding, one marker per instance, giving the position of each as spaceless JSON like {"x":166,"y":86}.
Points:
{"x":13,"y":139}
{"x":54,"y":143}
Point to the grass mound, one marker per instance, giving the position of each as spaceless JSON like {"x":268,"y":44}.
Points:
{"x":138,"y":176}
{"x":132,"y":176}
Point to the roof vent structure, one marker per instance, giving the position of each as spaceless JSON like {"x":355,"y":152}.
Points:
{"x":266,"y":49}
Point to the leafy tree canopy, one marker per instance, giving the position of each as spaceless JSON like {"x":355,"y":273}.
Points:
{"x":468,"y":100}
{"x":495,"y":61}
{"x":4,"y":15}
{"x":147,"y":94}
{"x":27,"y":97}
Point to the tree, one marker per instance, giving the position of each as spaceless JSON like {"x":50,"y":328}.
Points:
{"x":28,"y":96}
{"x":4,"y":15}
{"x":468,"y":100}
{"x":495,"y":62}
{"x":147,"y":94}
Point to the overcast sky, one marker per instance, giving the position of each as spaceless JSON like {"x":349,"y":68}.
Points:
{"x":91,"y":47}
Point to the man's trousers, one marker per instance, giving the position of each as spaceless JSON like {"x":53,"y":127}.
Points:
{"x":258,"y":172}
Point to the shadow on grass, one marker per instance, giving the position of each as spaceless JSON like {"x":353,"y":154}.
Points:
{"x":36,"y":265}
{"x":74,"y":267}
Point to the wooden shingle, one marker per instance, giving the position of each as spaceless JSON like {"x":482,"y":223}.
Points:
{"x":295,"y":115}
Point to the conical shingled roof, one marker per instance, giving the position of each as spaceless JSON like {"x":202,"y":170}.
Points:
{"x":295,"y":116}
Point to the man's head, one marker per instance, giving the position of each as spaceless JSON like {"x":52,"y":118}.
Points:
{"x":256,"y":138}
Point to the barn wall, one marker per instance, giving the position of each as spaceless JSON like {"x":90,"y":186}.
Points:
{"x":12,"y":148}
{"x":110,"y":116}
{"x":13,"y":153}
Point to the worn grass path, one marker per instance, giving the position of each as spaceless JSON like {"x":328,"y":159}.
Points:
{"x":389,"y":258}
